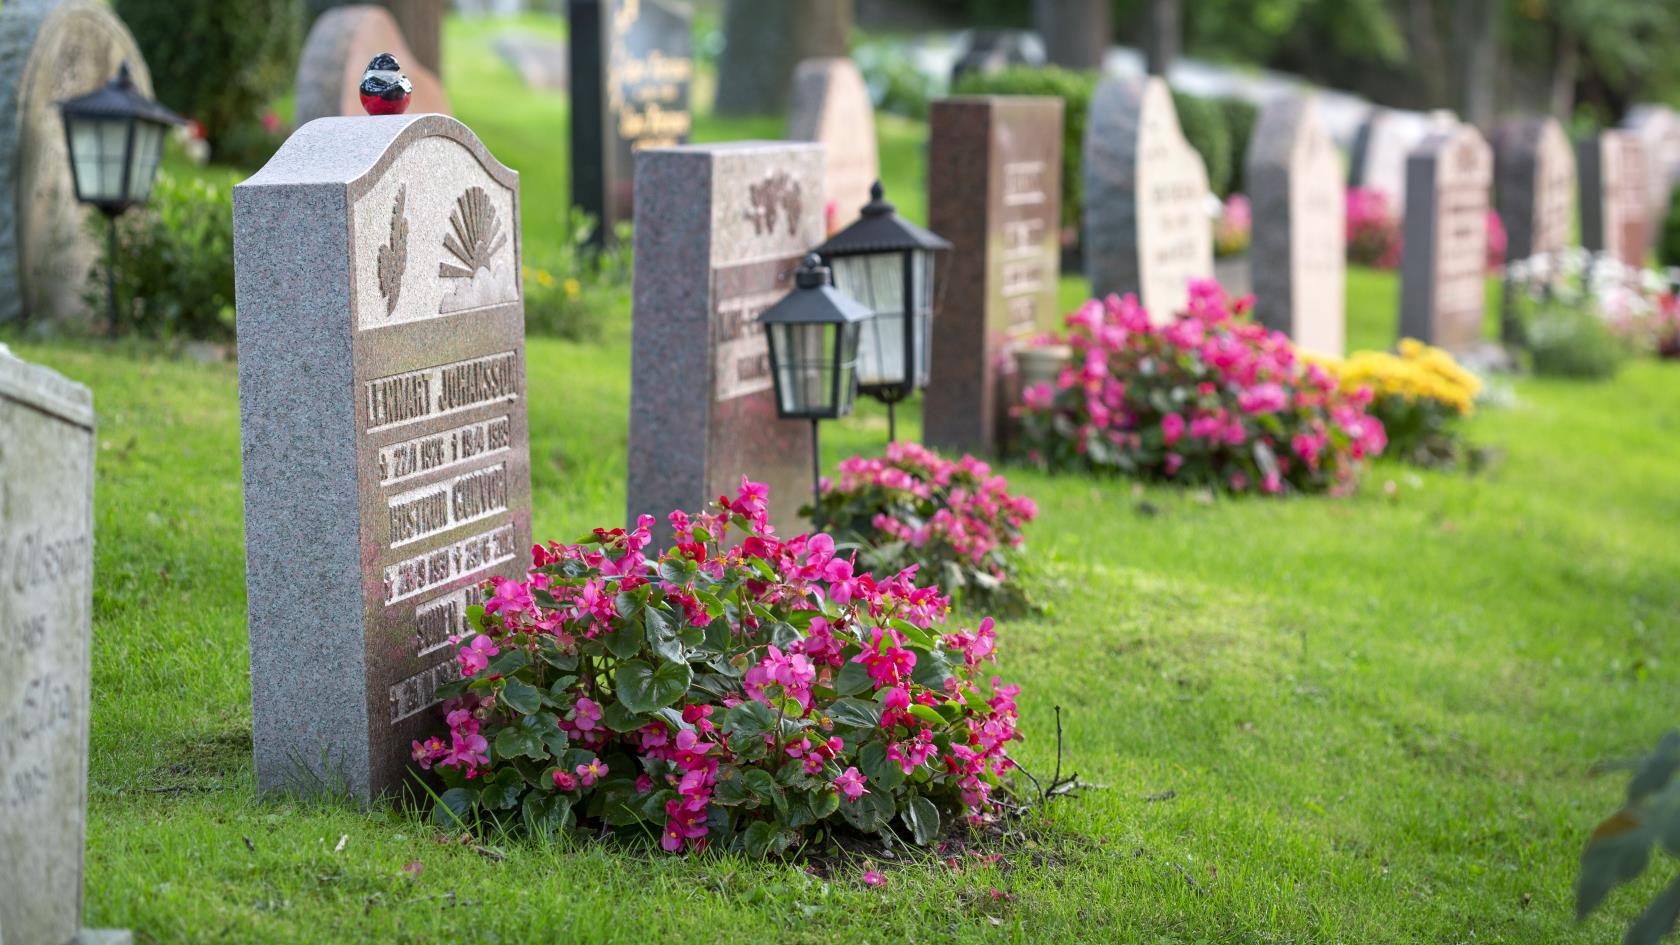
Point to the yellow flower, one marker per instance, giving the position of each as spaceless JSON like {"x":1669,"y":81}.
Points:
{"x":1417,"y":372}
{"x":545,"y":279}
{"x":572,"y":288}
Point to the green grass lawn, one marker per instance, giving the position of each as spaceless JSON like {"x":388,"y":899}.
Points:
{"x":1374,"y":717}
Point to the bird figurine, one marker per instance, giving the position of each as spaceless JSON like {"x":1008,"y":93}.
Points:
{"x":385,"y":90}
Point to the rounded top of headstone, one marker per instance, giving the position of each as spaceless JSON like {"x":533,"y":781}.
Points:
{"x":357,"y":150}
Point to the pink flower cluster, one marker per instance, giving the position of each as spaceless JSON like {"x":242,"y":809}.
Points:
{"x":1373,"y":228}
{"x":1210,"y":397}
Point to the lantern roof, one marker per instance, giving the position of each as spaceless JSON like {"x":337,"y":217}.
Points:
{"x":119,"y":98}
{"x":815,"y":300}
{"x":879,"y":229}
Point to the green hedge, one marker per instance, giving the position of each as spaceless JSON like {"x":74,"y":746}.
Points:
{"x":1241,"y":117}
{"x":1204,"y":127}
{"x":1668,"y":242}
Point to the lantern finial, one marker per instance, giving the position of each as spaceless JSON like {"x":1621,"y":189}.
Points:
{"x":812,"y":273}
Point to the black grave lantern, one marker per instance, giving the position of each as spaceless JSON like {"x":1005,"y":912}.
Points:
{"x":887,"y":263}
{"x":813,"y":335}
{"x":115,"y":137}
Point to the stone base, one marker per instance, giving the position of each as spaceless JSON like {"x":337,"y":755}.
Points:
{"x":104,"y":937}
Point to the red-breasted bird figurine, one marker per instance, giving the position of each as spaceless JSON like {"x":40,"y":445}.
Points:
{"x":385,"y":90}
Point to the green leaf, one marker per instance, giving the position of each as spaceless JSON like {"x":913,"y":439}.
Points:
{"x":716,"y":639}
{"x":624,"y":642}
{"x":931,"y":669}
{"x":678,"y":571}
{"x":555,"y":657}
{"x":883,"y":773}
{"x":927,"y":714}
{"x":626,"y":605}
{"x":544,"y":815}
{"x":1658,"y":919}
{"x":619,"y":718}
{"x":855,"y":713}
{"x":1618,"y":852}
{"x":452,"y":690}
{"x":755,"y":840}
{"x":508,"y":662}
{"x":521,"y":697}
{"x":502,"y":793}
{"x":643,"y":688}
{"x":869,"y":813}
{"x":454,"y":808}
{"x":852,"y":679}
{"x":749,"y":719}
{"x":516,"y":742}
{"x":923,"y":820}
{"x":912,"y":633}
{"x":824,"y":803}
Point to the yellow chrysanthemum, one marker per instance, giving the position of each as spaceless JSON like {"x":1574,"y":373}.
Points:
{"x":1417,"y":372}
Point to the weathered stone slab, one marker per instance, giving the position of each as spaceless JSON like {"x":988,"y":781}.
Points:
{"x":46,"y":606}
{"x":1615,"y":196}
{"x":994,"y":191}
{"x":1443,"y":271}
{"x":831,"y":107}
{"x":1299,"y":249}
{"x":720,"y":230}
{"x":632,"y":66}
{"x":50,"y":50}
{"x":339,"y":47}
{"x":1658,"y":129}
{"x":540,"y":62}
{"x":1383,"y":144}
{"x":1147,"y":229}
{"x":383,"y":417}
{"x":1534,"y":186}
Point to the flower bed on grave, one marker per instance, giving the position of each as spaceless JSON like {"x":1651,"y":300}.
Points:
{"x":1420,"y":394}
{"x":1210,"y":398}
{"x":738,"y":691}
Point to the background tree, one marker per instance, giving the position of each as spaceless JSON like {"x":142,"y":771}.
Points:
{"x":1076,"y":33}
{"x":764,"y":40}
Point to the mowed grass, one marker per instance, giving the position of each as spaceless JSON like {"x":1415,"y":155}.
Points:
{"x":1360,"y":720}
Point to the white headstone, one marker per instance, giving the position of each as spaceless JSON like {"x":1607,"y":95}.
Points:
{"x":1299,"y":248}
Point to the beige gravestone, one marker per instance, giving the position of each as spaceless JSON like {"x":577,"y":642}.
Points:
{"x":50,"y":50}
{"x":1147,"y":229}
{"x":1299,"y":249}
{"x":340,"y":45}
{"x":1534,"y":187}
{"x":1616,"y":210}
{"x":1443,"y":273}
{"x":1658,"y":128}
{"x":831,"y":107}
{"x":1384,"y":141}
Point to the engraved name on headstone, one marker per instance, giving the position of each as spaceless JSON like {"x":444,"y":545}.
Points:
{"x":383,"y":414}
{"x":46,"y":606}
{"x":994,"y":191}
{"x":632,"y":67}
{"x":1146,"y":198}
{"x":1443,"y":272}
{"x":336,"y":53}
{"x":720,"y":230}
{"x":1615,"y":196}
{"x":831,"y":107}
{"x":1534,"y":186}
{"x":50,"y":50}
{"x":1299,"y":249}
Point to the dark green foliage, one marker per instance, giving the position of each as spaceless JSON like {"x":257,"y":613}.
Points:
{"x":1668,"y":245}
{"x":1573,"y":341}
{"x":1073,"y":88}
{"x":1620,"y":848}
{"x":214,"y":61}
{"x":1240,"y":118}
{"x":175,"y":264}
{"x":1203,"y":122}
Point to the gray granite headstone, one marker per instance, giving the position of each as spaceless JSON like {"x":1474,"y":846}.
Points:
{"x":1534,"y":186}
{"x":1299,"y":248}
{"x":1443,"y":271}
{"x":1382,"y":145}
{"x":46,"y":608}
{"x":1147,"y":229}
{"x":1615,"y":196}
{"x":382,"y":405}
{"x":831,"y":107}
{"x":1658,"y":128}
{"x":336,"y":53}
{"x":50,"y":50}
{"x":720,"y":229}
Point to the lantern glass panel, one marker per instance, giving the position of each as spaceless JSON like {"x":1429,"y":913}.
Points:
{"x":98,"y":147}
{"x":877,"y":280}
{"x":816,"y":366}
{"x":148,"y":152}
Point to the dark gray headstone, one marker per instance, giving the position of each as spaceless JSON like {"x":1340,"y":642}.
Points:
{"x":46,"y":607}
{"x":1615,"y":196}
{"x":1534,"y":187}
{"x":1382,"y":145}
{"x":721,"y":229}
{"x":1443,"y":271}
{"x":50,"y":50}
{"x":383,"y":416}
{"x":632,"y":65}
{"x":1299,"y":250}
{"x":994,"y":191}
{"x":1147,"y":229}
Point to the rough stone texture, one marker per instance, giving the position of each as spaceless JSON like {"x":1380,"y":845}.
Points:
{"x":994,"y":191}
{"x":831,"y":107}
{"x":383,"y":418}
{"x":1146,"y":222}
{"x":336,"y":53}
{"x":1442,"y":294}
{"x":1615,"y":196}
{"x":720,"y":230}
{"x":1382,"y":146}
{"x":632,"y":67}
{"x":541,"y":63}
{"x":50,"y":50}
{"x":46,"y":605}
{"x":1658,"y":128}
{"x":1299,"y":249}
{"x":1534,"y":186}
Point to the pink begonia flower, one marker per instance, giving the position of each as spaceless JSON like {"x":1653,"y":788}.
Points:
{"x":1172,"y":428}
{"x":589,"y":773}
{"x":585,"y":715}
{"x":564,"y":781}
{"x":644,"y":784}
{"x":850,"y":784}
{"x":475,"y":656}
{"x":873,"y":879}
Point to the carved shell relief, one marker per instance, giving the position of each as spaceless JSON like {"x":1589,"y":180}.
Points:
{"x":473,"y":258}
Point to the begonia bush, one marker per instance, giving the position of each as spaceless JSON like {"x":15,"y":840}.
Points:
{"x":737,"y":691}
{"x":952,"y":520}
{"x":1208,"y":398}
{"x":1373,"y":228}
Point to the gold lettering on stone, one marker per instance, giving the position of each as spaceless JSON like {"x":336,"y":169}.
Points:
{"x":469,"y":556}
{"x":442,"y":390}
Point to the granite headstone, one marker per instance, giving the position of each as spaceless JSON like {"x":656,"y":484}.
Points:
{"x":1658,"y":128}
{"x":46,"y":607}
{"x":720,"y":230}
{"x":336,"y":53}
{"x":1382,"y":145}
{"x":1534,"y":186}
{"x":1299,"y":247}
{"x":831,"y":107}
{"x":994,"y":191}
{"x":383,"y":416}
{"x":50,"y":50}
{"x":632,"y":67}
{"x":1442,"y":288}
{"x":1615,"y":196}
{"x":540,"y":62}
